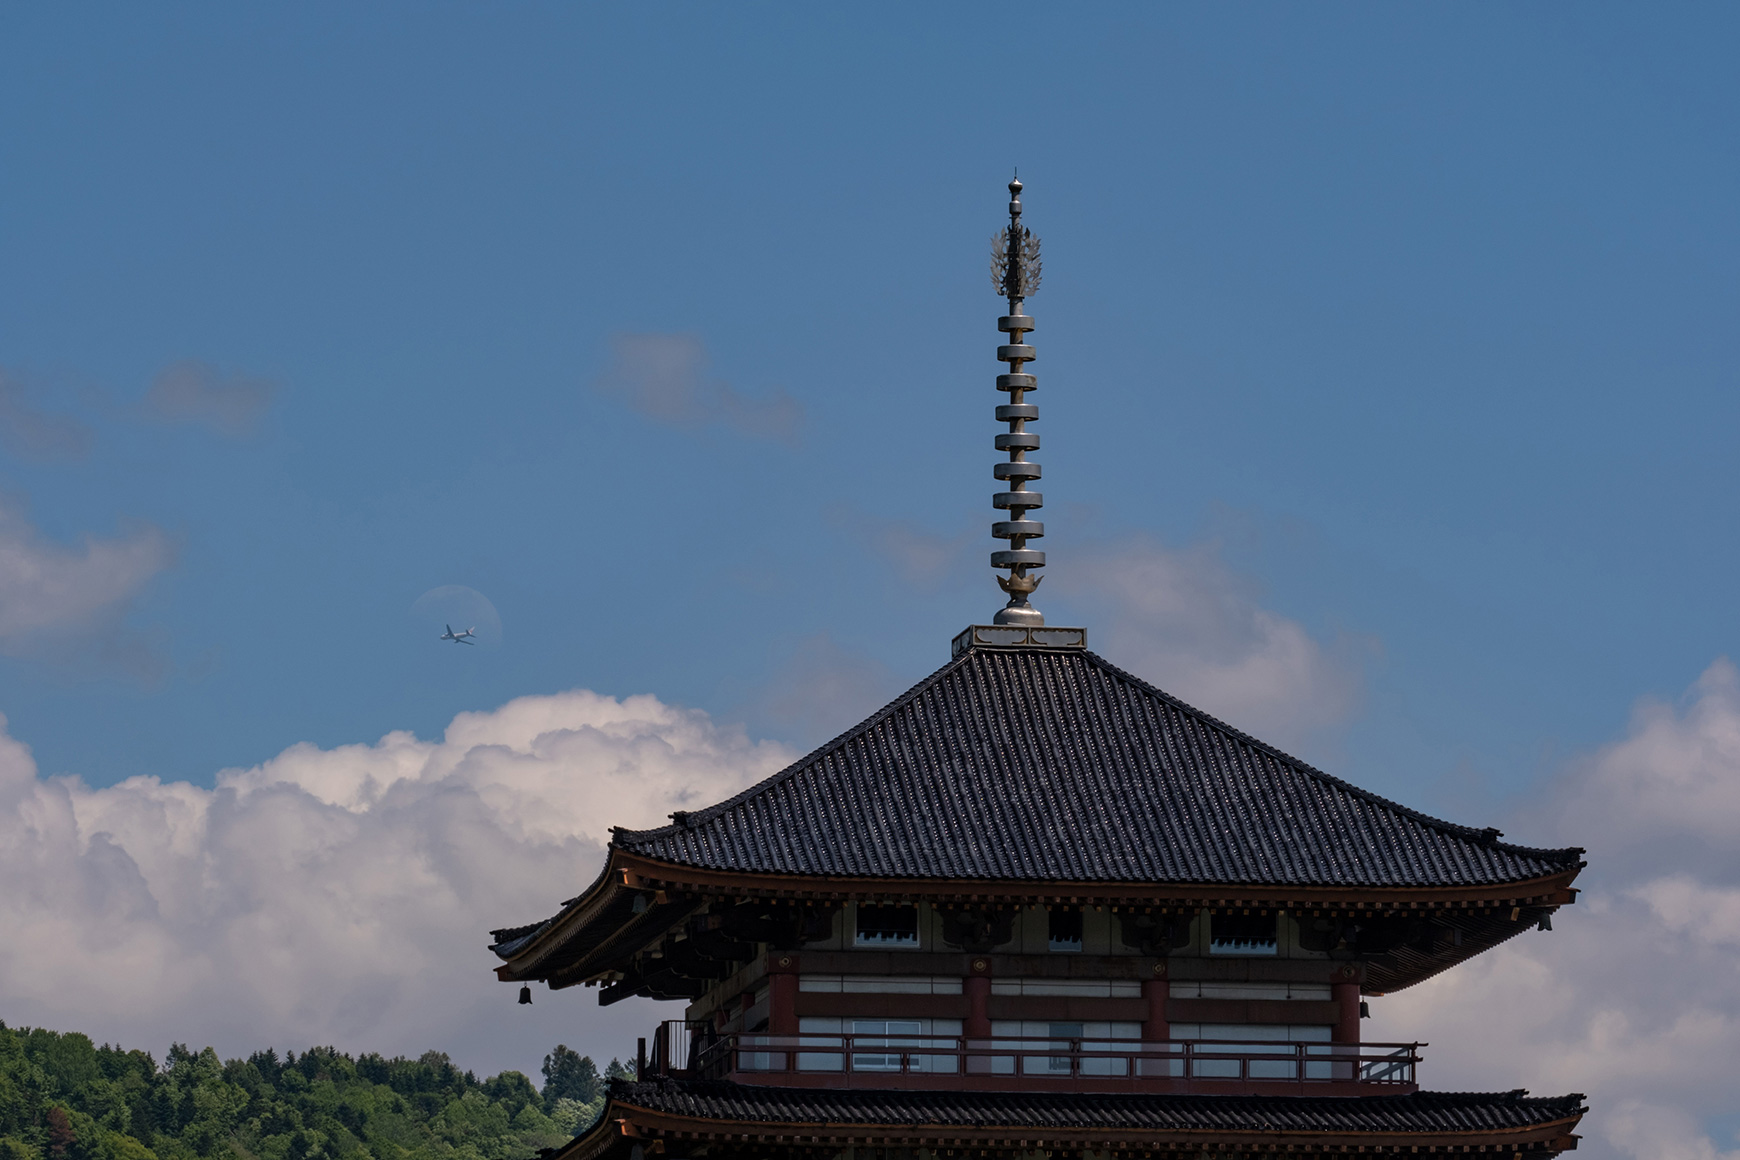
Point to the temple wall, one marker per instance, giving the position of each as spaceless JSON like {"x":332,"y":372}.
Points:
{"x":903,"y":968}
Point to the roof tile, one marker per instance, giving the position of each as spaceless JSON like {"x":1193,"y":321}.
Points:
{"x":1054,"y":765}
{"x":1415,"y":1112}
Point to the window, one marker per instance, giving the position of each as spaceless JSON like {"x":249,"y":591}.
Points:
{"x":1063,"y":1035}
{"x":887,"y":926}
{"x":874,"y":1033}
{"x":1065,"y":929}
{"x":1087,"y":988}
{"x":929,"y":1044}
{"x":1242,"y":934}
{"x":1196,"y":990}
{"x":1101,"y":1043}
{"x":880,"y":984}
{"x":1218,"y":1045}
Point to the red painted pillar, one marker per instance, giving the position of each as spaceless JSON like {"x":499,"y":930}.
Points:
{"x":782,"y":989}
{"x":978,"y":1022}
{"x":782,"y":1016}
{"x":1344,"y":988}
{"x":1157,"y":1028}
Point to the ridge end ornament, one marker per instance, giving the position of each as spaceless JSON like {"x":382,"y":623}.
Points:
{"x":1015,"y":274}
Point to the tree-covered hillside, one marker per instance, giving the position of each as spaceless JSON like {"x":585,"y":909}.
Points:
{"x":63,"y":1098}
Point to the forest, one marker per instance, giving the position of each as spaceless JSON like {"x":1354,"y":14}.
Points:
{"x":64,"y":1098}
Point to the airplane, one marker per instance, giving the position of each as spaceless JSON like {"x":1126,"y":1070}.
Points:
{"x":459,"y":637}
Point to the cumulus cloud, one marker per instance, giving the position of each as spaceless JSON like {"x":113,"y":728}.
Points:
{"x":1634,"y":998}
{"x":64,"y":602}
{"x":663,"y":376}
{"x":190,"y":391}
{"x":343,"y":895}
{"x":30,"y":433}
{"x":1675,"y":775}
{"x":1186,"y":621}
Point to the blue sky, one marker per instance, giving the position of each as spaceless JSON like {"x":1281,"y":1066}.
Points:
{"x":1429,"y":318}
{"x":1406,"y":335}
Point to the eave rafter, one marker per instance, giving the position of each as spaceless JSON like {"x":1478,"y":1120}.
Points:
{"x":637,"y":899}
{"x":640,"y":872}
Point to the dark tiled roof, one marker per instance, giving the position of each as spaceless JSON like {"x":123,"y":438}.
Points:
{"x":1425,"y":1112}
{"x":1054,"y":765}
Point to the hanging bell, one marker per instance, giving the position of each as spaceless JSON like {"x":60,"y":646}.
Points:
{"x":526,"y":995}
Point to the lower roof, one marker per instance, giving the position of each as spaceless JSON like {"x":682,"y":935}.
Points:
{"x":1418,"y":1112}
{"x":813,"y":1117}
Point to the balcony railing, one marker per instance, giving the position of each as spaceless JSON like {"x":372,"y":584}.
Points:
{"x":909,"y":1061}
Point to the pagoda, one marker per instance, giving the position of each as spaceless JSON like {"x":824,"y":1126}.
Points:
{"x":1038,"y":909}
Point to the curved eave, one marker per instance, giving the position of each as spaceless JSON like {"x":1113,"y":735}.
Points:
{"x":599,"y":931}
{"x":645,"y":873}
{"x":598,"y":928}
{"x":624,"y":1124}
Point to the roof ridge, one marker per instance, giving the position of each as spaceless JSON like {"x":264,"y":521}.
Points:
{"x":1305,"y":767}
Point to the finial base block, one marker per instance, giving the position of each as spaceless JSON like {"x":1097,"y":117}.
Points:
{"x":1013,"y":636}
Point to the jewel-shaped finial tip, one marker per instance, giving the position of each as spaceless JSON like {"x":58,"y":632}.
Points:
{"x":1014,"y":187}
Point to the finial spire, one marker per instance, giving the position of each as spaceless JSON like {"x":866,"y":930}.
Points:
{"x":1015,"y":276}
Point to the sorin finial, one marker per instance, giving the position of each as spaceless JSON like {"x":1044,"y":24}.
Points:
{"x":1015,"y":275}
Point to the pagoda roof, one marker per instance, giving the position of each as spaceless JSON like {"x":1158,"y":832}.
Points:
{"x":716,"y":1110}
{"x":1055,"y":765}
{"x":1024,"y":775}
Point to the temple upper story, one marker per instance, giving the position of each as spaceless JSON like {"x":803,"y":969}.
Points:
{"x":1032,"y":776}
{"x":1036,"y":905}
{"x":1033,"y":846}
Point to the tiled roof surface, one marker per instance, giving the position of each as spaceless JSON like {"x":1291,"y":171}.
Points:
{"x":1417,"y":1112}
{"x":1054,"y":765}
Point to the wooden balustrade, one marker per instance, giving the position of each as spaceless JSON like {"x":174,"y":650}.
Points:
{"x":1034,"y":1064}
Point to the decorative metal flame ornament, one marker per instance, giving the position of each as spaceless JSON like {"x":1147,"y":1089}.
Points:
{"x":1015,"y":275}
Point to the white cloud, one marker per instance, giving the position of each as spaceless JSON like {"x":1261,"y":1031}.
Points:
{"x":343,"y":896}
{"x":1661,"y":1133}
{"x":1675,"y":776}
{"x":1634,"y":998}
{"x":1184,"y":620}
{"x":196,"y":392}
{"x":1687,"y":907}
{"x":64,"y":602}
{"x":663,"y":376}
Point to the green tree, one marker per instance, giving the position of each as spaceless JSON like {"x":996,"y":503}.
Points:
{"x":61,"y":1098}
{"x":568,"y":1075}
